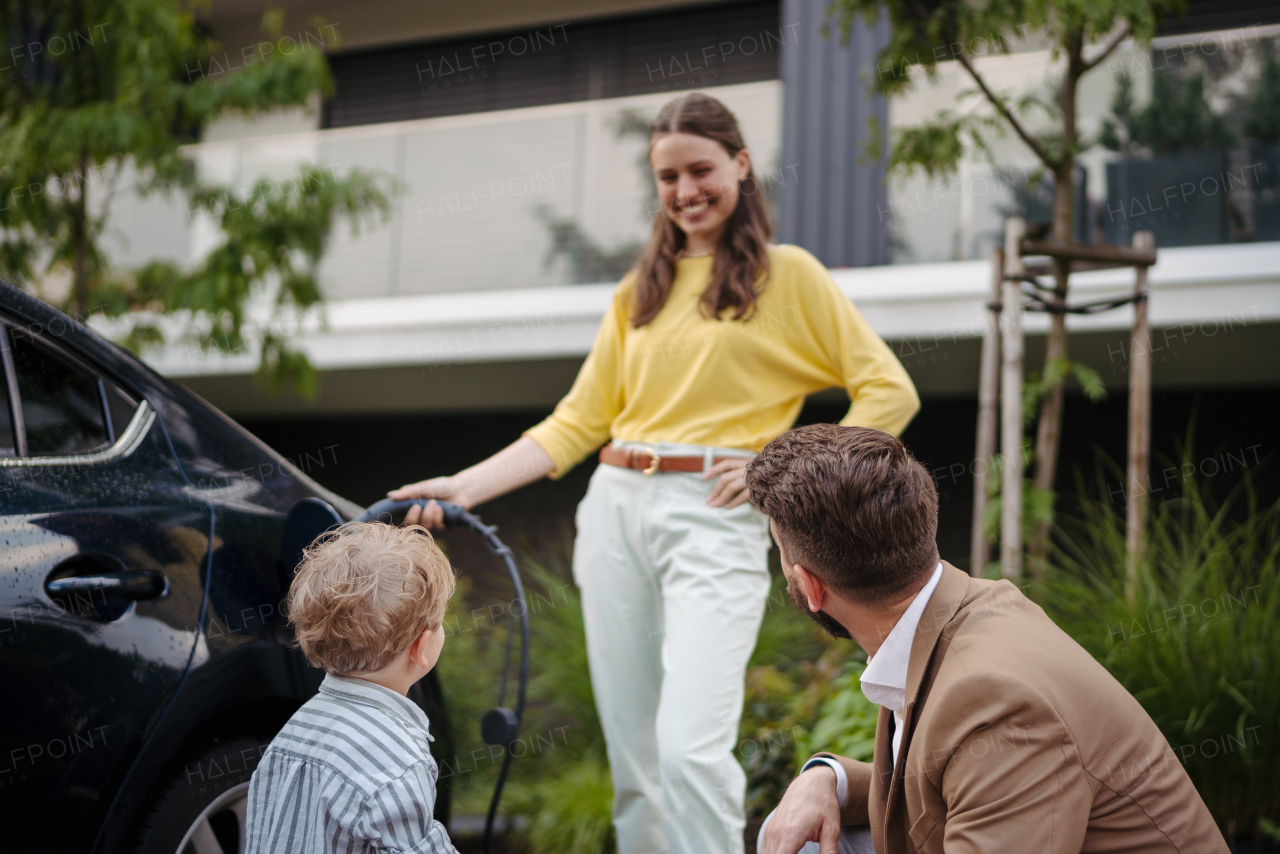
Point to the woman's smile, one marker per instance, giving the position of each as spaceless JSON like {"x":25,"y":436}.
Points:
{"x":695,"y":212}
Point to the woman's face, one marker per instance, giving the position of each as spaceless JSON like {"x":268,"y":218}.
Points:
{"x":697,"y":183}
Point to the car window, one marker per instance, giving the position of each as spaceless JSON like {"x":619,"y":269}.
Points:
{"x":120,"y":409}
{"x":62,"y":405}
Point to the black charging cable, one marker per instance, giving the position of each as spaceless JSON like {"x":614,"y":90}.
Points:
{"x":500,"y":726}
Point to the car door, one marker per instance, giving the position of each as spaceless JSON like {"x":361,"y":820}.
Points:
{"x":104,"y":549}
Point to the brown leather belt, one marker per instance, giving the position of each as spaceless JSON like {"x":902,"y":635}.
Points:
{"x":648,"y":461}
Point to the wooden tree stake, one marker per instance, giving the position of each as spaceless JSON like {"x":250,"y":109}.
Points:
{"x":1138,"y":474}
{"x":1011,"y":403}
{"x":988,"y":417}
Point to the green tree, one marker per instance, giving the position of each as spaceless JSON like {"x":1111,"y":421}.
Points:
{"x":1263,"y":118}
{"x":1116,"y":133}
{"x":1082,"y":34}
{"x":104,"y":90}
{"x":1177,"y":118}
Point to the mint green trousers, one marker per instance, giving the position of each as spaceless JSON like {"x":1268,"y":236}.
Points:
{"x":673,"y":592}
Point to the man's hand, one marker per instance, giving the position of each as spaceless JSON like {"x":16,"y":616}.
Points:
{"x":431,"y":516}
{"x":808,"y":812}
{"x":731,"y":490}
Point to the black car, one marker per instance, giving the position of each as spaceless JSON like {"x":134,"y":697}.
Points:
{"x":144,"y":653}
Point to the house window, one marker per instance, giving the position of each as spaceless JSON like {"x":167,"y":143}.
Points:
{"x":553,"y":64}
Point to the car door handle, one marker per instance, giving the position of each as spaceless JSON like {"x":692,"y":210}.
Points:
{"x":131,"y":584}
{"x":126,"y":583}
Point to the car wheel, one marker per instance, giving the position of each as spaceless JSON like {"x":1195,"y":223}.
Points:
{"x":201,"y":809}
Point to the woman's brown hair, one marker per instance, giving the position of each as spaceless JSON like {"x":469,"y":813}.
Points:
{"x":741,"y":262}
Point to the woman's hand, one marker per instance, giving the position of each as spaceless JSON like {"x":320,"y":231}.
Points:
{"x":522,"y":462}
{"x":431,"y":516}
{"x":731,"y":490}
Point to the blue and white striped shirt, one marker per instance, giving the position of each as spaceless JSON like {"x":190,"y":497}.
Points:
{"x":351,"y":771}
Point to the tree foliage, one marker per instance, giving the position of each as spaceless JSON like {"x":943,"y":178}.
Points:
{"x":1262,"y":121}
{"x":1192,"y":634}
{"x":923,"y":33}
{"x":1080,"y":34}
{"x":1177,"y":118}
{"x":106,"y":91}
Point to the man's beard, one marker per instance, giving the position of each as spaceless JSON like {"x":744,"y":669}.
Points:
{"x":828,"y":623}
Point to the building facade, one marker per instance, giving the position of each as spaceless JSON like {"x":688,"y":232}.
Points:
{"x":518,"y":134}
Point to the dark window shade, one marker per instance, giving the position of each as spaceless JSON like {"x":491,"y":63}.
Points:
{"x":669,"y":52}
{"x":61,"y":404}
{"x":1207,"y":15}
{"x":120,"y":407}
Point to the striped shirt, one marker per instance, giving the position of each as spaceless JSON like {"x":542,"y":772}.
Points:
{"x":351,"y":771}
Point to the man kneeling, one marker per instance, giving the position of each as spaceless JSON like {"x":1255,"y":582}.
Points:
{"x":997,"y":732}
{"x":352,"y":769}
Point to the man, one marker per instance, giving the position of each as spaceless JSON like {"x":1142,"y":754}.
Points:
{"x":997,"y":732}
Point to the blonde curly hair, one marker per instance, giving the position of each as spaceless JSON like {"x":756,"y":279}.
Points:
{"x":364,"y":592}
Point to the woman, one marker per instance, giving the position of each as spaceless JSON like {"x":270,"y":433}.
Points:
{"x":706,"y":353}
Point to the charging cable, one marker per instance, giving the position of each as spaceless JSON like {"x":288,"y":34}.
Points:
{"x":500,"y":726}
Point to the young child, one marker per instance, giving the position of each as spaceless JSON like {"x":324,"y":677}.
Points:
{"x":351,"y":770}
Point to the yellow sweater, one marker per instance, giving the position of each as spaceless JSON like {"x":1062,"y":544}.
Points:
{"x":688,"y":378}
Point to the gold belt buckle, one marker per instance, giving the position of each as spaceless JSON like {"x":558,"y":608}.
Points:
{"x":653,"y":466}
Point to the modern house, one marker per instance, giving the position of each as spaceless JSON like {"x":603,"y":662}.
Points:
{"x":517,"y":131}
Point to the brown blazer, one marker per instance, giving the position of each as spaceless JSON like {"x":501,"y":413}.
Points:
{"x":1017,"y":740}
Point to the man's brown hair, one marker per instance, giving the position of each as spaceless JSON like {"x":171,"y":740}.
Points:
{"x":364,"y":592}
{"x":851,"y":505}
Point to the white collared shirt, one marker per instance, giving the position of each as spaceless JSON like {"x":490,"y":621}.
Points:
{"x":884,"y":682}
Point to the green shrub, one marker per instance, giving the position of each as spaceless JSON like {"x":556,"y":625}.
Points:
{"x":1196,"y":643}
{"x":846,"y":722}
{"x":470,"y":667}
{"x":570,"y":813}
{"x":565,"y":792}
{"x":558,"y":768}
{"x":560,"y":694}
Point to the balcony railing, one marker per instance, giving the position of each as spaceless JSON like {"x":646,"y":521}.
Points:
{"x":533,"y":197}
{"x":561,"y":194}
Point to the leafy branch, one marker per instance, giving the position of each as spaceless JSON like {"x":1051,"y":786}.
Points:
{"x":129,"y":102}
{"x":1054,"y":375}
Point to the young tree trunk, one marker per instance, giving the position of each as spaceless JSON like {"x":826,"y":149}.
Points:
{"x":80,"y":237}
{"x":1049,"y":428}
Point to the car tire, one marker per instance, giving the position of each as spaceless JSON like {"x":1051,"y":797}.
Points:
{"x":204,"y":801}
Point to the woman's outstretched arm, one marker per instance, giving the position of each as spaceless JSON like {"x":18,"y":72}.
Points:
{"x":520,"y":463}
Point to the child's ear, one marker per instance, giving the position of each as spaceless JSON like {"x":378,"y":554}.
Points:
{"x":419,"y":650}
{"x":425,"y":648}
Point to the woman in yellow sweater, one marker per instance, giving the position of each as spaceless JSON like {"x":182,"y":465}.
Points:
{"x":707,"y":352}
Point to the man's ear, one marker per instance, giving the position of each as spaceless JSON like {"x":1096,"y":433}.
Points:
{"x":815,"y":592}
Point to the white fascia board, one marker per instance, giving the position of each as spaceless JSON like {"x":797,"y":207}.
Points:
{"x":1232,"y":284}
{"x":1237,"y":283}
